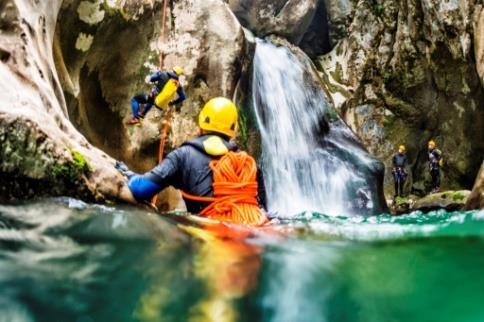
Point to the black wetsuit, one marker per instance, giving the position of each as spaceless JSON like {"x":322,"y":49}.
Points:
{"x":399,"y":163}
{"x":434,"y":167}
{"x":187,"y":168}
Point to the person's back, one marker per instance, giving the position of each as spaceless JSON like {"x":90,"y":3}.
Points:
{"x":190,"y":169}
{"x":187,"y":168}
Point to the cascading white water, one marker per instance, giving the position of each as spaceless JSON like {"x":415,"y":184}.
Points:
{"x":311,"y":160}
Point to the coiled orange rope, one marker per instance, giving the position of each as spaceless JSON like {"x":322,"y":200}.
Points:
{"x":235,"y":191}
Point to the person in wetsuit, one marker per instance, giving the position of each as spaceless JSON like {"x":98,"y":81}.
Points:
{"x":159,"y":79}
{"x":434,"y":158}
{"x":399,"y":164}
{"x":187,"y":167}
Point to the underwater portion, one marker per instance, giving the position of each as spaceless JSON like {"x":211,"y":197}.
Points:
{"x":64,"y":260}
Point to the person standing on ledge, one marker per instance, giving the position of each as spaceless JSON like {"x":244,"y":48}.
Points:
{"x":166,"y":85}
{"x":435,"y":162}
{"x":399,"y":164}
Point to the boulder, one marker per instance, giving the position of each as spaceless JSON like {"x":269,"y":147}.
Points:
{"x":448,"y":200}
{"x":339,"y":14}
{"x":285,"y":18}
{"x":476,"y":198}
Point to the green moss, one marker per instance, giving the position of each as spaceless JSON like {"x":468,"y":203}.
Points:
{"x":378,"y":9}
{"x":338,"y":73}
{"x":387,"y":77}
{"x":151,"y":59}
{"x":243,"y":131}
{"x":457,"y":196}
{"x":73,"y":171}
{"x":117,"y":9}
{"x":401,"y":201}
{"x":333,"y":88}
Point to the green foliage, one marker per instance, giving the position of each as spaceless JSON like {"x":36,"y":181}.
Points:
{"x":73,"y":171}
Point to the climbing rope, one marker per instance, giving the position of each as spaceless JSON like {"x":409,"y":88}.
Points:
{"x":169,"y":112}
{"x":234,"y":175}
{"x":166,"y":122}
{"x":162,"y":35}
{"x":235,"y":191}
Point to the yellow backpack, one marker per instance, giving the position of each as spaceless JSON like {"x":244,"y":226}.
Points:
{"x":167,"y":93}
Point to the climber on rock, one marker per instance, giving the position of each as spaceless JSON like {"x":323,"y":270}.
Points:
{"x":399,"y":164}
{"x":166,"y":86}
{"x":189,"y":167}
{"x":435,"y":162}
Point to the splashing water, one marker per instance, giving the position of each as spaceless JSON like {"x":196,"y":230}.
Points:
{"x":311,"y":159}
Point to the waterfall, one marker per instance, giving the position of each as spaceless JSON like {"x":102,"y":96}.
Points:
{"x":311,"y":160}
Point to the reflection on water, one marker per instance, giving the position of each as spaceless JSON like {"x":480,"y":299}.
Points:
{"x":62,"y":260}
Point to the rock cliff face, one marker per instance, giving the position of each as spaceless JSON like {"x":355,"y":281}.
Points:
{"x":78,"y":63}
{"x":103,"y":75}
{"x":41,"y":152}
{"x":405,"y":73}
{"x":476,"y":198}
{"x":398,"y":71}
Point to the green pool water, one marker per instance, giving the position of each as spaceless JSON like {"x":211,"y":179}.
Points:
{"x":63,"y":260}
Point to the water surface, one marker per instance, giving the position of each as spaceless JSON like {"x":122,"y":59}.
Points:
{"x":63,"y":260}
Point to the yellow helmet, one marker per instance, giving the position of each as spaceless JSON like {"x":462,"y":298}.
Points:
{"x":432,"y":143}
{"x":219,"y":115}
{"x":178,"y":70}
{"x":402,"y":148}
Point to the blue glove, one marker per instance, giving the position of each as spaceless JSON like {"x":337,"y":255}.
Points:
{"x":123,"y":169}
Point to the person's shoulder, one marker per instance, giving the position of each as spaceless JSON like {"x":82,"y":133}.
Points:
{"x":172,"y":75}
{"x":179,"y":153}
{"x":185,"y":147}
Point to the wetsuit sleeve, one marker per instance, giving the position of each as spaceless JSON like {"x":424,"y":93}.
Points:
{"x":144,"y":187}
{"x":181,"y":95}
{"x":261,"y":189}
{"x":156,"y":76}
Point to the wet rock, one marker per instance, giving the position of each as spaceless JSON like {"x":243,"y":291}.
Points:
{"x":401,"y":205}
{"x":409,"y":66}
{"x":339,"y":14}
{"x":476,"y":198}
{"x":41,"y":151}
{"x":317,"y":38}
{"x":448,"y":200}
{"x":286,"y":18}
{"x":479,"y":41}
